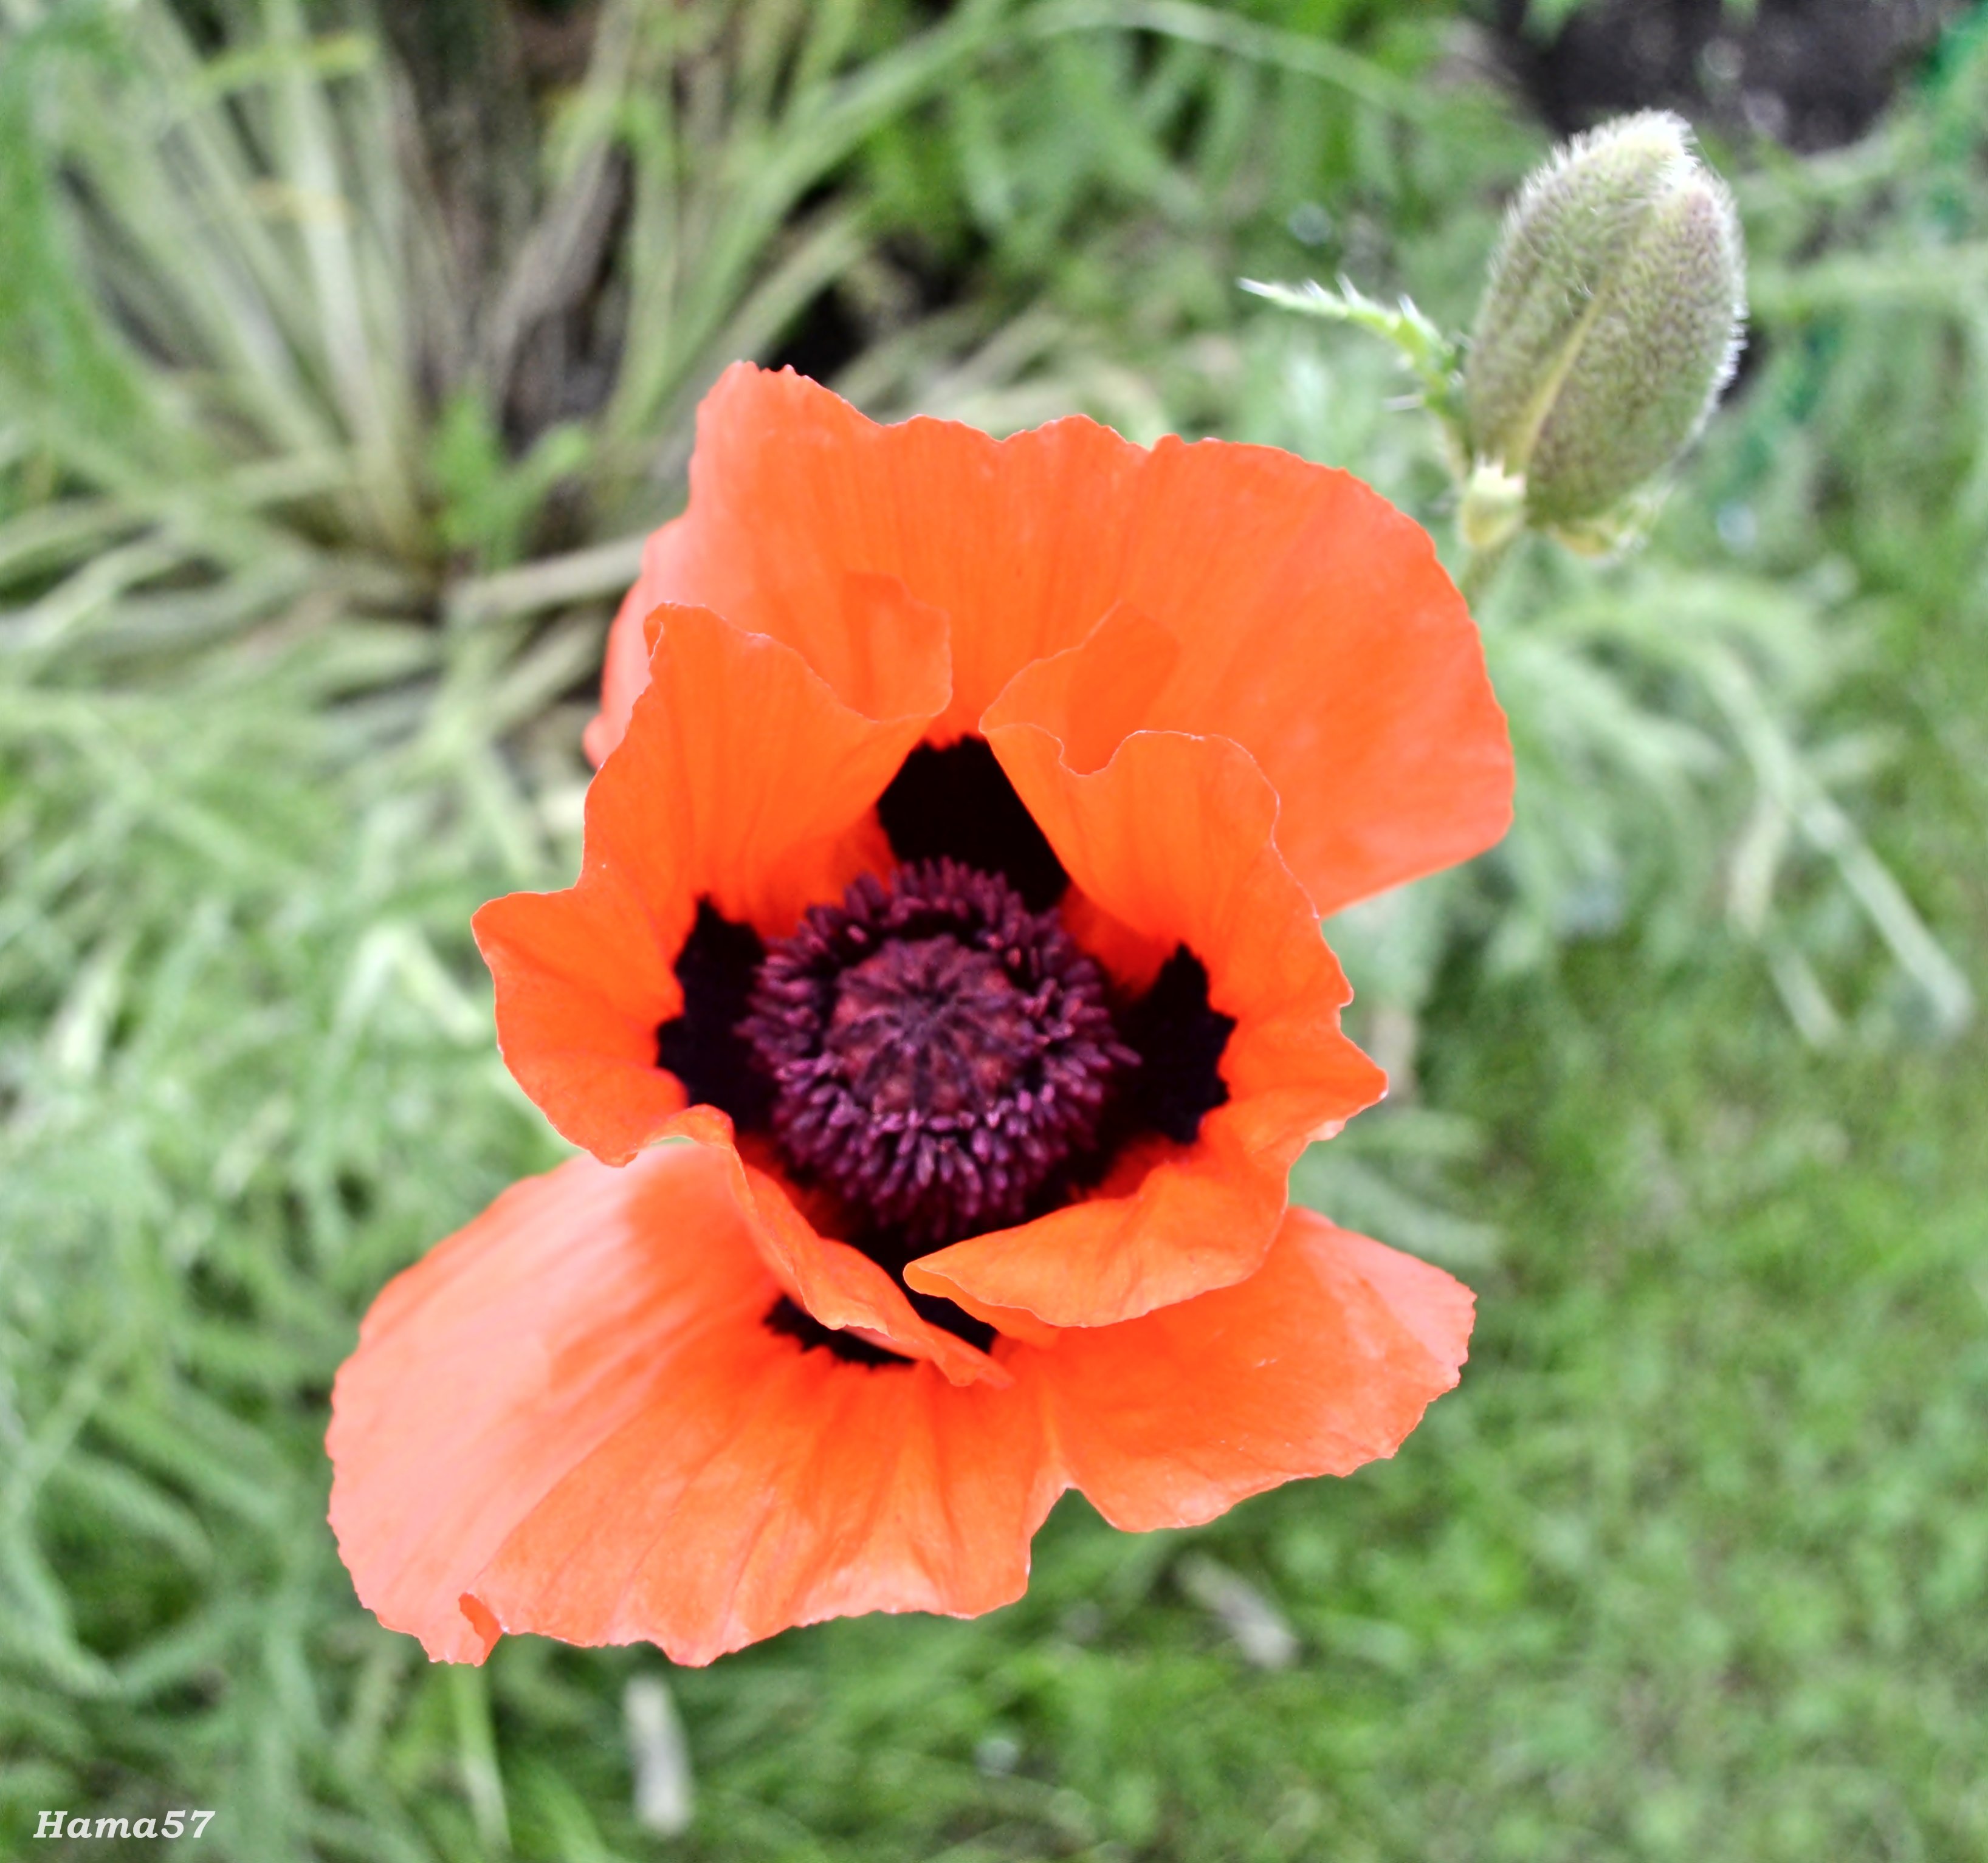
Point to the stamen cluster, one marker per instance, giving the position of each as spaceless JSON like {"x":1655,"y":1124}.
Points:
{"x":938,"y":1049}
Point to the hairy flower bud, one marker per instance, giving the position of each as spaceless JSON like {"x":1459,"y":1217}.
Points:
{"x":1609,"y":324}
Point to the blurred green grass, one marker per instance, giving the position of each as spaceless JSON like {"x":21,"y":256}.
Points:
{"x":1691,"y":1566}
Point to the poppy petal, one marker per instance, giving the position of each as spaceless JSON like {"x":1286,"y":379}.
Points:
{"x":625,"y":668}
{"x":791,"y":489}
{"x":487,"y":1370}
{"x":1202,"y":1215}
{"x":839,"y":1285}
{"x":1316,"y":628}
{"x":745,"y":777}
{"x":1314,"y":623}
{"x":572,"y":1418}
{"x":781,"y":1487}
{"x":1324,"y":1359}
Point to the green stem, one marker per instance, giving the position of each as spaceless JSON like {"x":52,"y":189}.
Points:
{"x":1480,"y":572}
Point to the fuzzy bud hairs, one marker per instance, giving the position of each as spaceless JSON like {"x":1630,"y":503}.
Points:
{"x":1610,"y":323}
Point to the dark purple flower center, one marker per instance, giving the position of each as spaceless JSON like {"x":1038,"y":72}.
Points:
{"x":937,"y":1050}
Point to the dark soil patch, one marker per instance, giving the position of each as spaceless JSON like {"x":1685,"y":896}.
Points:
{"x":1810,"y":74}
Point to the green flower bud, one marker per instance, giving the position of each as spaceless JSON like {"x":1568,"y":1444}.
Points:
{"x":1609,"y":324}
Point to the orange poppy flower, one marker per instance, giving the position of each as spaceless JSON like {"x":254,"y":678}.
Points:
{"x":965,"y":814}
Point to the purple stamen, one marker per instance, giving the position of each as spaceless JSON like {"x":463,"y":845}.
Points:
{"x":938,"y":1050}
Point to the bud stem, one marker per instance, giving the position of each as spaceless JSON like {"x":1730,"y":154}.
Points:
{"x":1480,"y":572}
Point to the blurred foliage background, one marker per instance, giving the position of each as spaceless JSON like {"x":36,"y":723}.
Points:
{"x":344,"y":356}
